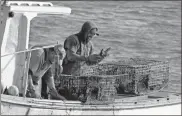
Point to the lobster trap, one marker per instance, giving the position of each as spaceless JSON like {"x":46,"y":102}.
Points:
{"x":88,"y":89}
{"x":102,"y":82}
{"x":134,"y":76}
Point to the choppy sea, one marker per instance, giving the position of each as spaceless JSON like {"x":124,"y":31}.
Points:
{"x":148,"y":29}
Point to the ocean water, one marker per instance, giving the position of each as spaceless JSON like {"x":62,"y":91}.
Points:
{"x":148,"y":29}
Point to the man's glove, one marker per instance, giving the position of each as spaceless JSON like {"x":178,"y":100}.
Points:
{"x":54,"y":95}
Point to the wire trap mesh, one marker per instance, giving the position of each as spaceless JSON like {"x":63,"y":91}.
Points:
{"x":98,"y":84}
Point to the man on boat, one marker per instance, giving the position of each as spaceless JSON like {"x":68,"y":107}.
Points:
{"x":79,"y":49}
{"x":41,"y":61}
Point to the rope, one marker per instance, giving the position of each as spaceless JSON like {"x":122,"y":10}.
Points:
{"x":28,"y":50}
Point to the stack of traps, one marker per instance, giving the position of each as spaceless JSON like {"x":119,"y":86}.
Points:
{"x":102,"y":82}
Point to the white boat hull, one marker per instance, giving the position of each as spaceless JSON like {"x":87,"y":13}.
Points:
{"x":11,"y":105}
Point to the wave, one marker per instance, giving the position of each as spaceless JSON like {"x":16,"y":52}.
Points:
{"x":135,"y":22}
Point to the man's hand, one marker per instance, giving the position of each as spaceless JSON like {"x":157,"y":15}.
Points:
{"x":35,"y":95}
{"x":32,"y":93}
{"x":55,"y":95}
{"x":31,"y":88}
{"x":105,"y":53}
{"x":95,"y":58}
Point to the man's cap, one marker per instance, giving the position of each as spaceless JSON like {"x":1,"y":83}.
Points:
{"x":59,"y":50}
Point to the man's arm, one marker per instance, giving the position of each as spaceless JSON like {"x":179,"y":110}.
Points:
{"x":90,"y":60}
{"x":33,"y":67}
{"x":35,"y":60}
{"x":30,"y":82}
{"x":71,"y":46}
{"x":31,"y":88}
{"x":75,"y":57}
{"x":50,"y":83}
{"x":91,"y":48}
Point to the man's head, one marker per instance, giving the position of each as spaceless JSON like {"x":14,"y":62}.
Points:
{"x":89,"y":31}
{"x":56,"y":50}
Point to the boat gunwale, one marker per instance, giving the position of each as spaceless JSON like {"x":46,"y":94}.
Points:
{"x":76,"y":106}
